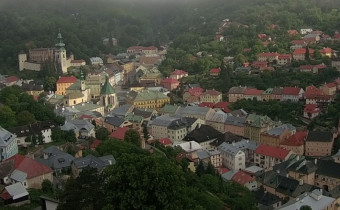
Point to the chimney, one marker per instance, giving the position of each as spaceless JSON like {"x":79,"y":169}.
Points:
{"x":300,"y":181}
{"x":316,"y":161}
{"x":190,"y":145}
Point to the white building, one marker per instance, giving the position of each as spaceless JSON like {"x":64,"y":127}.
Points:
{"x":96,"y":61}
{"x":232,"y":157}
{"x":8,"y":144}
{"x":304,"y":31}
{"x":267,"y":156}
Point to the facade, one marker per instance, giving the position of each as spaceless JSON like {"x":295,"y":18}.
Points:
{"x":284,"y":59}
{"x":253,"y":94}
{"x":96,"y":61}
{"x":235,"y":125}
{"x":212,"y":96}
{"x":267,"y":156}
{"x":108,"y":97}
{"x":295,"y":143}
{"x":236,"y":93}
{"x":319,"y":143}
{"x":98,"y":163}
{"x":232,"y":157}
{"x":275,"y":136}
{"x":204,"y":135}
{"x":329,"y":88}
{"x":170,"y":83}
{"x":311,"y":111}
{"x":178,"y":74}
{"x":255,"y":125}
{"x":299,"y":54}
{"x":270,"y":57}
{"x":245,"y":180}
{"x":82,"y":128}
{"x":293,"y":94}
{"x":147,"y":99}
{"x":8,"y":144}
{"x":63,"y":83}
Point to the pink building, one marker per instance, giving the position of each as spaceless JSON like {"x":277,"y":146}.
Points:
{"x":319,"y":143}
{"x":170,"y":83}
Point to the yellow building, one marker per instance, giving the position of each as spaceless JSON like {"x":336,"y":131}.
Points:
{"x":147,"y":99}
{"x":63,"y":83}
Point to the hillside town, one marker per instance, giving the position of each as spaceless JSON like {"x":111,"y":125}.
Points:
{"x":57,"y":131}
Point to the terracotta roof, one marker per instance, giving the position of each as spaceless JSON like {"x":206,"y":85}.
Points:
{"x":291,"y":91}
{"x":149,"y":60}
{"x":206,"y":104}
{"x":223,"y":105}
{"x":296,"y":139}
{"x":196,"y":91}
{"x":215,"y":70}
{"x":268,"y":54}
{"x":179,"y":72}
{"x":252,"y":91}
{"x":284,"y":56}
{"x":170,"y":80}
{"x":259,"y":63}
{"x":70,"y":79}
{"x":337,"y":81}
{"x":261,"y":36}
{"x":11,"y":79}
{"x":311,"y":108}
{"x":77,"y":61}
{"x":165,"y":141}
{"x":321,"y":66}
{"x":317,"y":32}
{"x":31,"y":167}
{"x":242,"y":178}
{"x":326,"y":50}
{"x":211,"y":92}
{"x":95,"y":144}
{"x":223,"y":170}
{"x":270,"y":151}
{"x":330,"y":85}
{"x":312,"y":90}
{"x":292,"y":32}
{"x":119,"y":133}
{"x":302,"y":51}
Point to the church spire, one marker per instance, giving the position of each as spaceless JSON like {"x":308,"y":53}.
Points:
{"x":60,"y":43}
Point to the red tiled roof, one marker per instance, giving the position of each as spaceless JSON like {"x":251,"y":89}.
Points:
{"x":11,"y":79}
{"x":119,"y":133}
{"x":330,"y":85}
{"x":70,"y":79}
{"x":336,"y":36}
{"x":298,"y":42}
{"x":149,"y":60}
{"x":306,"y":67}
{"x":252,"y":91}
{"x":179,"y":72}
{"x":259,"y":63}
{"x":284,"y":56}
{"x":215,"y":71}
{"x":321,"y":66}
{"x":326,"y":50}
{"x":261,"y":36}
{"x":170,"y":80}
{"x":298,"y":139}
{"x":292,"y":32}
{"x":95,"y":144}
{"x":206,"y":104}
{"x":246,"y":49}
{"x":196,"y":91}
{"x":268,"y":54}
{"x":223,"y":105}
{"x":302,"y":51}
{"x":77,"y":61}
{"x":150,"y":48}
{"x":317,"y":32}
{"x":242,"y":178}
{"x":31,"y":167}
{"x":312,"y":90}
{"x":270,"y":151}
{"x":223,"y":170}
{"x":337,"y":81}
{"x":5,"y":195}
{"x":211,"y":92}
{"x":311,"y":108}
{"x":291,"y":91}
{"x":165,"y":141}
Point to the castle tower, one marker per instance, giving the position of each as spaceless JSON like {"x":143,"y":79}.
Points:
{"x":108,"y":97}
{"x":82,"y":81}
{"x":61,"y":54}
{"x":22,"y":57}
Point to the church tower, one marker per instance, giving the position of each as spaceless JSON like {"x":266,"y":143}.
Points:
{"x":108,"y":97}
{"x":61,"y":58}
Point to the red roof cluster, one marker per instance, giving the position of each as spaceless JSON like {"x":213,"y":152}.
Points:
{"x":297,"y":139}
{"x":179,"y":72}
{"x":223,"y":105}
{"x":119,"y":133}
{"x":270,"y":151}
{"x":95,"y":144}
{"x":312,"y":90}
{"x":170,"y":80}
{"x":11,"y":79}
{"x":206,"y":104}
{"x":70,"y":79}
{"x":196,"y":91}
{"x":242,"y":178}
{"x":31,"y":167}
{"x":326,"y":50}
{"x":302,"y":51}
{"x":311,"y":108}
{"x":285,"y":56}
{"x":165,"y":141}
{"x":291,"y":91}
{"x":253,"y":91}
{"x":215,"y":71}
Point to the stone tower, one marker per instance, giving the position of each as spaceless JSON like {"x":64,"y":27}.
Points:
{"x":108,"y":97}
{"x":61,"y":58}
{"x":22,"y":57}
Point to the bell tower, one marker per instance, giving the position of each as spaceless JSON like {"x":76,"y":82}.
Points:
{"x":61,"y":58}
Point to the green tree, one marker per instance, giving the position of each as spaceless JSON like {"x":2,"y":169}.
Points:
{"x":25,"y":118}
{"x":7,"y":117}
{"x":146,"y":135}
{"x":210,"y":169}
{"x":200,"y":170}
{"x":102,"y":134}
{"x":307,"y":55}
{"x":305,"y":207}
{"x":133,"y":137}
{"x":47,"y":186}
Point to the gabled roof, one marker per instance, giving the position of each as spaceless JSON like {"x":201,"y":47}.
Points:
{"x":291,"y":91}
{"x":270,"y":54}
{"x":215,"y":71}
{"x":270,"y":151}
{"x":170,"y":80}
{"x":326,"y":50}
{"x":119,"y":133}
{"x":179,"y":72}
{"x":230,"y":149}
{"x":237,"y":90}
{"x":94,"y":162}
{"x":16,"y":191}
{"x":242,"y":178}
{"x":11,"y":79}
{"x":285,"y":56}
{"x":253,"y":91}
{"x":211,"y":92}
{"x":202,"y":134}
{"x":115,"y":121}
{"x":311,"y":108}
{"x":297,"y":139}
{"x":95,"y":144}
{"x":6,"y":137}
{"x":31,"y":167}
{"x":165,"y":141}
{"x":223,"y":106}
{"x":302,"y":51}
{"x":70,"y":79}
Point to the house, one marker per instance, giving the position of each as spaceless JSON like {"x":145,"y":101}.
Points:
{"x":81,"y":128}
{"x":327,"y":52}
{"x":314,"y":199}
{"x":166,"y":142}
{"x":304,"y":31}
{"x":299,"y":54}
{"x":178,"y":74}
{"x":96,"y":61}
{"x":225,"y":137}
{"x":98,"y":163}
{"x":292,"y":32}
{"x":122,"y":111}
{"x":293,"y":94}
{"x":314,"y":95}
{"x":150,"y":60}
{"x":274,"y":136}
{"x":219,"y":38}
{"x":23,"y":169}
{"x":189,"y":147}
{"x":32,"y":89}
{"x":201,"y":113}
{"x":248,"y":147}
{"x":297,"y":44}
{"x":262,"y":36}
{"x":43,"y":129}
{"x":266,"y":200}
{"x":216,"y":120}
{"x":267,"y":156}
{"x":8,"y":144}
{"x":236,"y":93}
{"x":147,"y":99}
{"x":15,"y":195}
{"x":112,"y":123}
{"x":212,"y":96}
{"x":277,"y":94}
{"x":295,"y":143}
{"x":259,"y":64}
{"x":253,"y":94}
{"x":235,"y":125}
{"x":215,"y":72}
{"x":63,"y":83}
{"x":119,"y":133}
{"x":329,"y":88}
{"x":224,"y":106}
{"x":192,"y":94}
{"x":308,"y":69}
{"x":11,"y":80}
{"x":56,"y":159}
{"x":245,"y":180}
{"x":78,"y":63}
{"x":95,"y":144}
{"x":319,"y":143}
{"x":284,"y":59}
{"x":204,"y":135}
{"x":336,"y":63}
{"x":312,"y":38}
{"x":232,"y":157}
{"x":311,"y":111}
{"x":255,"y":125}
{"x":169,"y":109}
{"x":327,"y":174}
{"x":142,"y":50}
{"x":269,"y":57}
{"x":210,"y":156}
{"x":170,"y":83}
